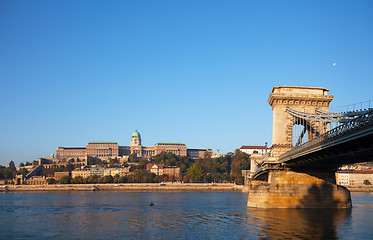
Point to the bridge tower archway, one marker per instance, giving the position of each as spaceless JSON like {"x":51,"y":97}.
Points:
{"x":301,"y":99}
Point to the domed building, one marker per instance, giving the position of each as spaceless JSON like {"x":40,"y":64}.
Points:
{"x":107,"y":150}
{"x":178,"y":149}
{"x":136,"y":139}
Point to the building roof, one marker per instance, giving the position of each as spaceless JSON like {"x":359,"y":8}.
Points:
{"x":102,"y":143}
{"x":165,"y":143}
{"x":136,"y":134}
{"x":252,"y":147}
{"x":300,"y":87}
{"x":74,"y":148}
{"x":356,"y":171}
{"x":149,"y":166}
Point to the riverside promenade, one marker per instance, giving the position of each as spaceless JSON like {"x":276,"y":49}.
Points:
{"x":128,"y":187}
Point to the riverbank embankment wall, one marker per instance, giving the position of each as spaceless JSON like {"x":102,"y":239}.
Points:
{"x":146,"y":187}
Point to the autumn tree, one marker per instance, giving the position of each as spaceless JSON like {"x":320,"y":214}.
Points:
{"x":172,"y":178}
{"x":107,"y":179}
{"x":196,"y":172}
{"x":240,"y":162}
{"x":78,"y":180}
{"x":51,"y":181}
{"x":133,"y":157}
{"x":65,"y":180}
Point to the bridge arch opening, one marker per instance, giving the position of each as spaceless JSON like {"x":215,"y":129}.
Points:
{"x":305,"y":130}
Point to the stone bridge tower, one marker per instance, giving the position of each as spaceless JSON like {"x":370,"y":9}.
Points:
{"x":302,"y":99}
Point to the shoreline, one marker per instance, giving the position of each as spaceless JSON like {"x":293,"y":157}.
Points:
{"x":360,"y":189}
{"x":127,"y":187}
{"x":142,"y":187}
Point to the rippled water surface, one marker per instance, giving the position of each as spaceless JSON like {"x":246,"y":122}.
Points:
{"x":176,"y":215}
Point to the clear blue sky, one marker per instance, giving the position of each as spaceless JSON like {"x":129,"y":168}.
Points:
{"x":196,"y":72}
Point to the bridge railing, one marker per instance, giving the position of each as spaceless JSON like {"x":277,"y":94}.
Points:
{"x":352,"y":107}
{"x":265,"y":168}
{"x":359,"y":122}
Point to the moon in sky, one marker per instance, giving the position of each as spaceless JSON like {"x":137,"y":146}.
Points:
{"x":334,"y":64}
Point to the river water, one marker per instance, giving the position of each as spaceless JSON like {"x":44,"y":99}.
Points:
{"x":175,"y":215}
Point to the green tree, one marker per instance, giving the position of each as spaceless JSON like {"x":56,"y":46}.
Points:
{"x":185,"y":178}
{"x":239,"y":180}
{"x":94,"y":179}
{"x":78,"y":180}
{"x":142,"y":164}
{"x":22,"y":171}
{"x":107,"y":179}
{"x":2,"y":172}
{"x":195,"y":172}
{"x":367,"y":182}
{"x":240,"y":162}
{"x":9,"y":173}
{"x":65,"y":180}
{"x":93,"y":161}
{"x":116,"y":178}
{"x":226,"y":177}
{"x":207,"y":178}
{"x":157,"y":179}
{"x":170,"y":159}
{"x":114,"y":162}
{"x":216,"y":177}
{"x":143,"y":176}
{"x":51,"y":181}
{"x":133,"y":157}
{"x":123,"y":179}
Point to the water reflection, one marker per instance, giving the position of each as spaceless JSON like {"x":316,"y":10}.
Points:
{"x":182,"y":215}
{"x":299,"y":223}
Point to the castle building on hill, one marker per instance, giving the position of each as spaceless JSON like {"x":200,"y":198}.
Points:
{"x":254,"y":149}
{"x":106,"y":150}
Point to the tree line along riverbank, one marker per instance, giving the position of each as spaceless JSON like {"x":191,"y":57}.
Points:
{"x":146,"y":187}
{"x":227,"y":168}
{"x":126,"y":187}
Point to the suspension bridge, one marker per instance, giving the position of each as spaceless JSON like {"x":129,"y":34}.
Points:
{"x":309,"y":143}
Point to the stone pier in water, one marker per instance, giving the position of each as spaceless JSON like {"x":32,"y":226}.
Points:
{"x":289,"y":189}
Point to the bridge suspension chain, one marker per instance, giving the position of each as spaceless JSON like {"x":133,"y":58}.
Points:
{"x":321,"y":116}
{"x":363,"y":121}
{"x":311,"y":125}
{"x":319,"y":122}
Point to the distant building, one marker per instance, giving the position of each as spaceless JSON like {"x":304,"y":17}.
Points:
{"x":35,"y":180}
{"x":100,"y":171}
{"x":71,"y":152}
{"x":159,"y":169}
{"x":179,"y":149}
{"x":59,"y":175}
{"x":114,"y":171}
{"x":84,"y":173}
{"x":103,"y":149}
{"x":97,"y":171}
{"x":106,"y":150}
{"x":172,"y":171}
{"x":253,"y":149}
{"x":201,"y":153}
{"x":354,"y":178}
